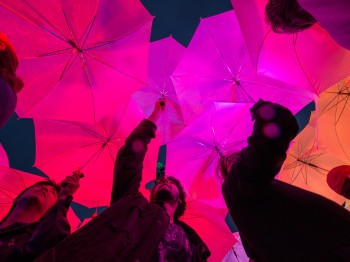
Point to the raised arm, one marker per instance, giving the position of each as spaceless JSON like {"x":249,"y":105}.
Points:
{"x":274,"y":128}
{"x":129,"y":162}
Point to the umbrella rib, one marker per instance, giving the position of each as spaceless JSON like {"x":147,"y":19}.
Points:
{"x":43,"y":17}
{"x":83,"y":64}
{"x":97,"y":153}
{"x":67,"y":21}
{"x":117,"y":70}
{"x":260,"y":48}
{"x":217,"y":49}
{"x":100,"y":44}
{"x":327,"y":108}
{"x":68,"y":65}
{"x":341,"y":145}
{"x":32,"y":22}
{"x":295,"y":36}
{"x":89,"y":28}
{"x":2,"y":190}
{"x":54,"y":52}
{"x":342,"y":111}
{"x":241,"y":61}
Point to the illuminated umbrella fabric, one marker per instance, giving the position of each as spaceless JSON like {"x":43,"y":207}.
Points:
{"x":308,"y":164}
{"x":333,"y":121}
{"x":3,"y":157}
{"x":13,"y":182}
{"x":209,"y":223}
{"x":216,"y":67}
{"x":78,"y":59}
{"x":310,"y":59}
{"x":193,"y":155}
{"x":163,"y":58}
{"x":63,"y":146}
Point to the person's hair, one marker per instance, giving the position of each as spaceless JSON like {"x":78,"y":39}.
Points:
{"x":225,"y":163}
{"x":9,"y":64}
{"x":180,"y":210}
{"x":287,"y":16}
{"x":47,"y":182}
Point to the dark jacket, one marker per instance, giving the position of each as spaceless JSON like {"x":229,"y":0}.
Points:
{"x":25,"y":242}
{"x":277,"y":221}
{"x":8,"y":101}
{"x":131,"y":228}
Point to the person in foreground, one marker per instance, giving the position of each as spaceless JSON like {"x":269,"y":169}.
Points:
{"x":10,"y":84}
{"x":132,"y":228}
{"x":278,"y":221}
{"x":292,"y":16}
{"x":37,"y":219}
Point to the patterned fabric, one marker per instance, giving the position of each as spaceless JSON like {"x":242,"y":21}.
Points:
{"x":174,"y":246}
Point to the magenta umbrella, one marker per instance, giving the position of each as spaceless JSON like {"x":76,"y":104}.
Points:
{"x":63,"y":146}
{"x":78,"y":59}
{"x":216,"y":67}
{"x":163,"y":58}
{"x":193,"y":155}
{"x":310,"y":59}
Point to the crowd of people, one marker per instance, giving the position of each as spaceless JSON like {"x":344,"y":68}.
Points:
{"x":276,"y":221}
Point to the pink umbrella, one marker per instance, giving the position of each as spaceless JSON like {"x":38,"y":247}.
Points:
{"x":209,"y":223}
{"x":63,"y":146}
{"x":163,"y":58}
{"x":310,"y":59}
{"x":78,"y":59}
{"x":194,"y":153}
{"x":13,"y":182}
{"x":216,"y":67}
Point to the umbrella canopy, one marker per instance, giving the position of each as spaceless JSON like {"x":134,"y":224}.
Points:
{"x":194,"y":153}
{"x":78,"y":59}
{"x":216,"y":67}
{"x":163,"y":58}
{"x":63,"y":146}
{"x":310,"y":59}
{"x":13,"y":182}
{"x":307,"y":164}
{"x":333,"y":121}
{"x":209,"y":223}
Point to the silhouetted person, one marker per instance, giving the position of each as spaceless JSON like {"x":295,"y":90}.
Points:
{"x":292,"y":16}
{"x":37,"y":220}
{"x":132,"y":228}
{"x":278,"y":221}
{"x":10,"y":84}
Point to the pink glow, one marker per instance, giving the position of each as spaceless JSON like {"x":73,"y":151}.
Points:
{"x":310,"y":59}
{"x":163,"y":58}
{"x":75,"y":64}
{"x":194,"y":153}
{"x":217,"y":67}
{"x":63,"y":146}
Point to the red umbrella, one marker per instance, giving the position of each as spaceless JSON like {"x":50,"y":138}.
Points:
{"x":78,"y":59}
{"x":63,"y":146}
{"x":209,"y":223}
